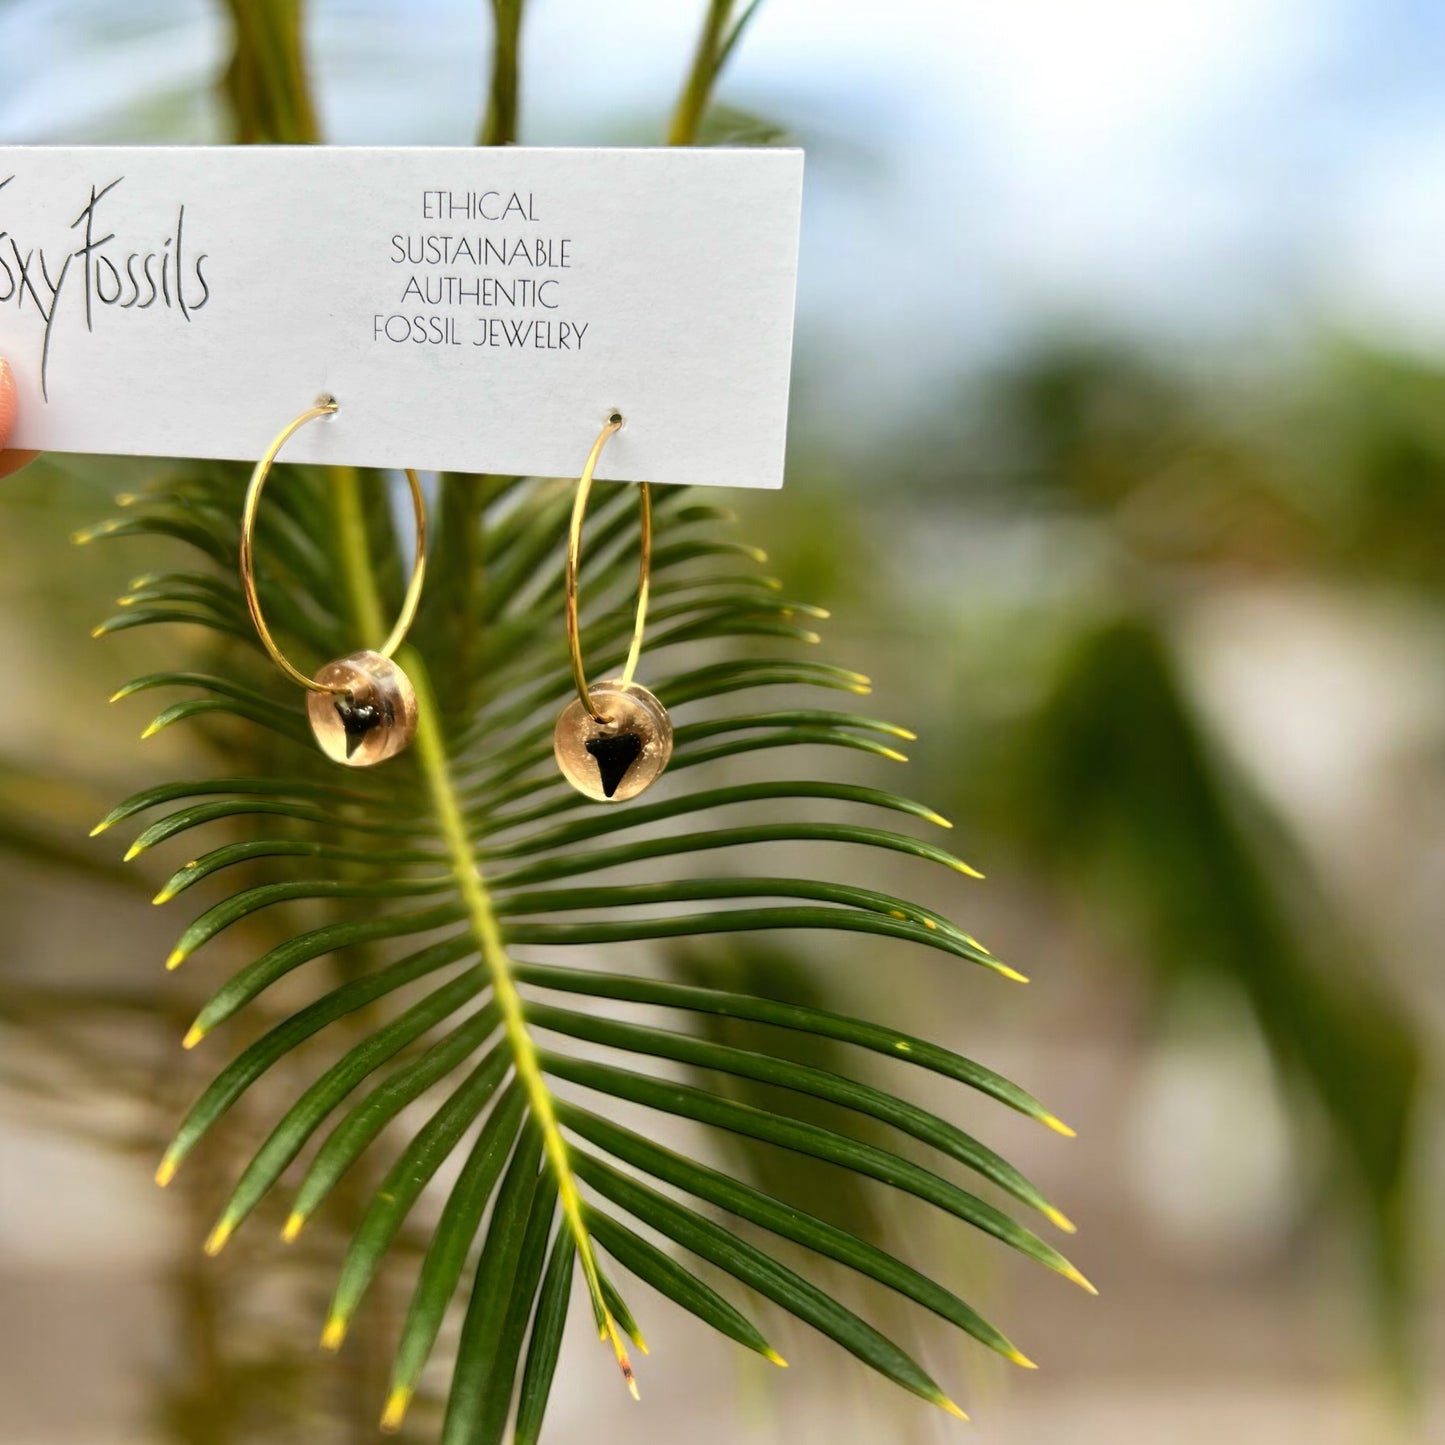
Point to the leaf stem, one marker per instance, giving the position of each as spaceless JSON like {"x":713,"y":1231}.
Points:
{"x":432,"y":756}
{"x":349,"y":515}
{"x":435,"y":769}
{"x":431,"y":752}
{"x":499,"y":127}
{"x":693,"y":102}
{"x":266,"y":80}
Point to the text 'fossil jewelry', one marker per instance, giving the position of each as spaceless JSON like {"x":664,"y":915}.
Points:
{"x":367,"y":713}
{"x":615,"y":755}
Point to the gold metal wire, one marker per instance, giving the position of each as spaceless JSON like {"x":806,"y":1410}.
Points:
{"x":574,"y":557}
{"x":327,"y":406}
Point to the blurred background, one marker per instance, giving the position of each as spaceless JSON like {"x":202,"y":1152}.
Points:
{"x":1118,"y":454}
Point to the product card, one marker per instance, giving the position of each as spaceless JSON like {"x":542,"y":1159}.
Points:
{"x":479,"y":310}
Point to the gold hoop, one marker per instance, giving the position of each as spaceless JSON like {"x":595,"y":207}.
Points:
{"x":574,"y":557}
{"x":326,"y":406}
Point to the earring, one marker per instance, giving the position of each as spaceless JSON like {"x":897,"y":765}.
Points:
{"x":614,"y":739}
{"x":362,"y":708}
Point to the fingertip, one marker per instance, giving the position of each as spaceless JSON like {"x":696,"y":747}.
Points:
{"x":7,"y":402}
{"x":9,"y":461}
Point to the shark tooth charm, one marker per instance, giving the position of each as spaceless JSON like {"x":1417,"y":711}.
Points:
{"x":616,"y":737}
{"x":362,"y":708}
{"x":367,"y":712}
{"x":613,"y":755}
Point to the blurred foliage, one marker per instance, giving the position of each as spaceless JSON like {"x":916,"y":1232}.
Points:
{"x":1122,"y":497}
{"x":1113,"y":785}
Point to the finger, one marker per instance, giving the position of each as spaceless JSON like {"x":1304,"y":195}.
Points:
{"x":9,"y":461}
{"x":7,"y":402}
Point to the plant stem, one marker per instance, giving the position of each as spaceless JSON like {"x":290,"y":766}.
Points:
{"x":432,"y":756}
{"x":500,"y":126}
{"x":368,"y":621}
{"x":436,"y":771}
{"x":698,"y":91}
{"x":349,"y":514}
{"x":266,"y":81}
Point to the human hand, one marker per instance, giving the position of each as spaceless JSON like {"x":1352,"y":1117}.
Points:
{"x":10,"y":461}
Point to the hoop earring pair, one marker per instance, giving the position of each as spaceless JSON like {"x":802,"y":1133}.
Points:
{"x":610,"y":743}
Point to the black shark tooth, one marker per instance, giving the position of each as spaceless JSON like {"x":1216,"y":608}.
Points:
{"x":357,"y":719}
{"x":614,"y":757}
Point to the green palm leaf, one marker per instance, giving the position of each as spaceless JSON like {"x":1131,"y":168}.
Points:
{"x":427,"y":884}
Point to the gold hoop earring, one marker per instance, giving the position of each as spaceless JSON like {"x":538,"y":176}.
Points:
{"x":362,"y":707}
{"x":615,"y":738}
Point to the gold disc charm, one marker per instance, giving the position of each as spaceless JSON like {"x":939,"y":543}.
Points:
{"x":367,"y":711}
{"x":614,"y":755}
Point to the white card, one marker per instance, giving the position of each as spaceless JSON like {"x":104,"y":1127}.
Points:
{"x":479,"y":310}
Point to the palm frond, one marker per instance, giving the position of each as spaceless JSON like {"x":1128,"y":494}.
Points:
{"x":425,"y":905}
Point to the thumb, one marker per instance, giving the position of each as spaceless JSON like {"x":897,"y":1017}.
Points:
{"x":9,"y":461}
